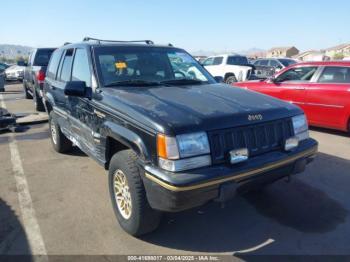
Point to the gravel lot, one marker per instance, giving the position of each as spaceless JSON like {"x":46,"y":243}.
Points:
{"x":70,"y":200}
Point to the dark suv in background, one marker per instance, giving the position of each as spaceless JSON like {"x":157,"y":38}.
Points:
{"x":267,"y":67}
{"x":171,"y":137}
{"x":34,"y":75}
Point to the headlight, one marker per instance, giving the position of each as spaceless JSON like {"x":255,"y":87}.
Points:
{"x":193,"y":144}
{"x":183,"y":152}
{"x":300,"y":127}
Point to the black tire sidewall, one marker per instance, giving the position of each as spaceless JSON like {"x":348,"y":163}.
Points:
{"x":62,"y":143}
{"x":52,"y":122}
{"x":232,"y":78}
{"x":130,"y":225}
{"x":39,"y":106}
{"x":143,"y":218}
{"x":28,"y":96}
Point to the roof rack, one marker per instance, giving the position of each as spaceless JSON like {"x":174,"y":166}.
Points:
{"x":148,"y":42}
{"x":67,"y":43}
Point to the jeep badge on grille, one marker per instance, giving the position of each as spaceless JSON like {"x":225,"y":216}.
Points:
{"x":255,"y":117}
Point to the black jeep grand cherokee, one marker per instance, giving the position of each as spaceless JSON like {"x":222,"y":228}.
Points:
{"x":171,"y":137}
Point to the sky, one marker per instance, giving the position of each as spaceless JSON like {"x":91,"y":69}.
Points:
{"x":191,"y":24}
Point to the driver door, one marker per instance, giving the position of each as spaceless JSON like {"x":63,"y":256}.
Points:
{"x":292,"y":85}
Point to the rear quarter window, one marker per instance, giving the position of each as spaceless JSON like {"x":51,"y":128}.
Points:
{"x":53,"y":65}
{"x":66,"y":66}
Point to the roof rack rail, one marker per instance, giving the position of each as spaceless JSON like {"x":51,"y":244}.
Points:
{"x":148,"y":42}
{"x":67,"y":43}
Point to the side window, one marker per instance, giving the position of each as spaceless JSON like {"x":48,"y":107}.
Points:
{"x":334,"y":74}
{"x":257,"y":63}
{"x":297,"y":74}
{"x":53,"y":65}
{"x":66,"y":66}
{"x":81,"y":69}
{"x":209,"y":61}
{"x":218,"y":60}
{"x":274,"y":64}
{"x":264,"y":62}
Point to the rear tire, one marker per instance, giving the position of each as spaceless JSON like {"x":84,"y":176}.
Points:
{"x":38,"y":102}
{"x":28,"y":95}
{"x":230,"y":80}
{"x":132,"y":209}
{"x":59,"y":141}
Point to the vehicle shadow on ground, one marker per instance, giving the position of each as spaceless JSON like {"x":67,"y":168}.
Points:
{"x":253,"y":218}
{"x":329,"y":131}
{"x":76,"y":151}
{"x":13,"y":239}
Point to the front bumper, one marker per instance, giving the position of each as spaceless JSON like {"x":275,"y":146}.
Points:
{"x":173,"y":192}
{"x":14,"y":77}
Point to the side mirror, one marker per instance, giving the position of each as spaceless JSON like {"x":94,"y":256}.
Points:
{"x":271,"y":80}
{"x":75,"y":88}
{"x":219,"y":79}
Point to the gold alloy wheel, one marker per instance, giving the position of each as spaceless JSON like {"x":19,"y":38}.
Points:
{"x":122,"y":194}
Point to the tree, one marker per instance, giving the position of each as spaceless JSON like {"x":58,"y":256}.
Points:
{"x":338,"y":56}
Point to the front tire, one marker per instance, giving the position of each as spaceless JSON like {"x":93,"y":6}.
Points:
{"x":59,"y":141}
{"x":230,"y":80}
{"x":128,"y":195}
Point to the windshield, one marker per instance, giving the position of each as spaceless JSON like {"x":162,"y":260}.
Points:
{"x":119,"y":65}
{"x":287,"y":62}
{"x":237,"y":60}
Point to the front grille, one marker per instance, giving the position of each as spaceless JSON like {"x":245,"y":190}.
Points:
{"x":259,"y":139}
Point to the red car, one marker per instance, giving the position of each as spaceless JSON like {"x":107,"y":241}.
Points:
{"x":321,"y":89}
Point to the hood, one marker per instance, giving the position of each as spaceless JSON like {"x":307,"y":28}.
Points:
{"x":183,"y":109}
{"x":14,"y":68}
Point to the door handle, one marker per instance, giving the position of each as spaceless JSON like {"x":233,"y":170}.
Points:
{"x":299,"y":88}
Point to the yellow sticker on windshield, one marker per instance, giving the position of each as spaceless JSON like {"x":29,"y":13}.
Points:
{"x":120,"y":65}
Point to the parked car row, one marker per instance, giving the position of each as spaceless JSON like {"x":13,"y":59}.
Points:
{"x":170,"y":135}
{"x":34,"y":75}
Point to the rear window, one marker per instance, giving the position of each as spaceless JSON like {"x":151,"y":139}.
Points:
{"x":42,"y":57}
{"x":237,"y":60}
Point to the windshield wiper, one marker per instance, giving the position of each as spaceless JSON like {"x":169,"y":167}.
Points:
{"x":133,"y":83}
{"x":182,"y":82}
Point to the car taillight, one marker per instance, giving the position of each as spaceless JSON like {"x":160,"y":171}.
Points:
{"x":40,"y":76}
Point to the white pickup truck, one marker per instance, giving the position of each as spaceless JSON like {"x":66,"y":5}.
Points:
{"x":231,"y":67}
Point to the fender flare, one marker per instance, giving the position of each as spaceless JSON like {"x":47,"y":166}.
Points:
{"x":126,"y":137}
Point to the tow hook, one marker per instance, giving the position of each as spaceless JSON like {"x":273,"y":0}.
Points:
{"x":226,"y":192}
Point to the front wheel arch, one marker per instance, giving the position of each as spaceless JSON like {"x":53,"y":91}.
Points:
{"x":227,"y":75}
{"x":119,"y":138}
